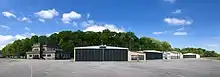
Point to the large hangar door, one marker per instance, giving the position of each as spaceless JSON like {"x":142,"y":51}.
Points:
{"x":189,"y":56}
{"x":152,"y":55}
{"x":115,"y":55}
{"x":88,"y":55}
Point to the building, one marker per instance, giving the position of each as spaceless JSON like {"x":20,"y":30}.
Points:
{"x":100,"y":53}
{"x":1,"y":55}
{"x":172,"y":55}
{"x":191,"y":55}
{"x":48,"y":52}
{"x":153,"y":54}
{"x":137,"y":56}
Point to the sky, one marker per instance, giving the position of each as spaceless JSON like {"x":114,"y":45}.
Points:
{"x":183,"y":23}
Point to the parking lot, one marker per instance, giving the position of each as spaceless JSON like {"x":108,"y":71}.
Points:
{"x":152,"y":68}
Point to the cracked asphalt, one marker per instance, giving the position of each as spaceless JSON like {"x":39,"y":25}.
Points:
{"x":152,"y":68}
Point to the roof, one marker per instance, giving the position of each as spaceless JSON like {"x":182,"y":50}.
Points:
{"x":152,"y":51}
{"x":136,"y":53}
{"x":190,"y":54}
{"x":175,"y":52}
{"x":100,"y":46}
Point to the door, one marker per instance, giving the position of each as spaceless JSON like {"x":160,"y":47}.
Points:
{"x":189,"y":56}
{"x":88,"y":55}
{"x":115,"y":55}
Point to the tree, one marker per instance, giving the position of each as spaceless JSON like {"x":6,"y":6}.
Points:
{"x":166,"y":46}
{"x":67,"y":40}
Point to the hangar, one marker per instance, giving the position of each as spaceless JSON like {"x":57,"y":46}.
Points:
{"x":191,"y":55}
{"x":100,"y":53}
{"x":172,"y":55}
{"x":137,"y":56}
{"x":153,"y":54}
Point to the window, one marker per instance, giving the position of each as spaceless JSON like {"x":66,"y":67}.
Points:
{"x":35,"y":49}
{"x":141,"y":57}
{"x":44,"y":55}
{"x":30,"y":55}
{"x":133,"y":57}
{"x":48,"y":55}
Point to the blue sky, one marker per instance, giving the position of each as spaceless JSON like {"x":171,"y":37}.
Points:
{"x":183,"y":23}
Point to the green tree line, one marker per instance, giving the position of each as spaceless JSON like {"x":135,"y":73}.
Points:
{"x":67,"y":40}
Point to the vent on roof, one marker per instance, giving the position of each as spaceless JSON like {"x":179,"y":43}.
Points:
{"x":102,"y":47}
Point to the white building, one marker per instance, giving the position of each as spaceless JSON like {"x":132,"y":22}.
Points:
{"x":191,"y":55}
{"x":136,"y":56}
{"x":153,"y":54}
{"x":47,"y":52}
{"x":172,"y":55}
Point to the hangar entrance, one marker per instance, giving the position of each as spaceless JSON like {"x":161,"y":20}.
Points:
{"x":189,"y":56}
{"x":153,"y":55}
{"x":101,"y":54}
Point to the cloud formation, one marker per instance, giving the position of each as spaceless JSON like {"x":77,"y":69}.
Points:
{"x":5,"y":27}
{"x":8,"y":14}
{"x":180,"y":33}
{"x":178,"y":11}
{"x":170,"y":1}
{"x":68,"y":17}
{"x":176,"y":21}
{"x":158,"y":33}
{"x":26,"y":28}
{"x":25,"y":19}
{"x":6,"y":39}
{"x":92,"y":26}
{"x":41,"y":20}
{"x":47,"y":14}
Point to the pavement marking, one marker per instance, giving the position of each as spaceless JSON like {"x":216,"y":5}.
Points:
{"x":31,"y":70}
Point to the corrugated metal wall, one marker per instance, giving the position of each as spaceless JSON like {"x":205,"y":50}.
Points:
{"x":101,"y":55}
{"x":152,"y":55}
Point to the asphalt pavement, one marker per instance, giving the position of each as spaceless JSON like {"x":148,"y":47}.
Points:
{"x":153,"y":68}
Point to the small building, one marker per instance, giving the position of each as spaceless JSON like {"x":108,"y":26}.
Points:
{"x":137,"y":56}
{"x":48,"y":52}
{"x":172,"y":55}
{"x":191,"y":55}
{"x":153,"y":54}
{"x":100,"y":53}
{"x":1,"y":55}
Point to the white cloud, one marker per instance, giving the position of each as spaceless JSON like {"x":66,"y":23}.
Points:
{"x":213,"y":45}
{"x":48,"y":34}
{"x":47,"y":14}
{"x":176,"y":21}
{"x":5,"y":27}
{"x":158,"y":33}
{"x":41,"y":20}
{"x":170,"y":1}
{"x":88,"y":15}
{"x":25,"y":35}
{"x":100,"y":28}
{"x":181,"y":29}
{"x":180,"y":33}
{"x":8,"y":14}
{"x":25,"y":19}
{"x":88,"y":23}
{"x":26,"y":28}
{"x":75,"y":24}
{"x":6,"y":39}
{"x":68,"y":17}
{"x":178,"y":11}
